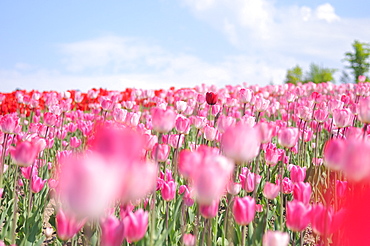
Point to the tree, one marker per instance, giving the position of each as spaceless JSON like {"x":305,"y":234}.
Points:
{"x":294,"y":75}
{"x":318,"y":74}
{"x":359,"y":60}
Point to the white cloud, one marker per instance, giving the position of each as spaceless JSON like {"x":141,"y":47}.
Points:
{"x":296,"y":33}
{"x":326,"y":12}
{"x":155,"y":68}
{"x":101,"y":52}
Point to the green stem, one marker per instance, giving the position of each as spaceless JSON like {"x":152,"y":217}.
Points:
{"x":244,"y":230}
{"x":15,"y":206}
{"x":281,"y":197}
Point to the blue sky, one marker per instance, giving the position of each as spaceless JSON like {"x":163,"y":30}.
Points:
{"x":68,"y":44}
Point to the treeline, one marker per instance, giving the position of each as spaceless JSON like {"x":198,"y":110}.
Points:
{"x":357,"y":62}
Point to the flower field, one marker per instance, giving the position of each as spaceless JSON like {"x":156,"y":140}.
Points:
{"x":240,"y":165}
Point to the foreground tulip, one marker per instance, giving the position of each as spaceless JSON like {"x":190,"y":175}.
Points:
{"x":208,"y":172}
{"x":163,"y":120}
{"x":297,"y":215}
{"x":244,"y":210}
{"x":275,"y":238}
{"x":333,"y":154}
{"x":112,"y":231}
{"x":67,"y":226}
{"x":25,"y":153}
{"x":350,"y":156}
{"x":135,"y":225}
{"x":241,"y":143}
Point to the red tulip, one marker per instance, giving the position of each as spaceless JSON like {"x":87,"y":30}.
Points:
{"x":211,"y":98}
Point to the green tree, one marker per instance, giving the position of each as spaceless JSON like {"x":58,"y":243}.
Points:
{"x":294,"y":75}
{"x":318,"y":74}
{"x":359,"y":59}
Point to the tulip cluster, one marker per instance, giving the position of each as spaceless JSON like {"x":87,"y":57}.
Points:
{"x":241,"y":165}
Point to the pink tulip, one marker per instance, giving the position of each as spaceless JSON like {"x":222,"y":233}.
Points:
{"x":9,"y":123}
{"x":25,"y":153}
{"x":245,"y":95}
{"x":333,"y":153}
{"x":266,"y":131}
{"x":261,"y":104}
{"x":163,"y":120}
{"x":297,"y":173}
{"x":275,"y":238}
{"x":321,"y":115}
{"x":297,"y":215}
{"x":273,"y":155}
{"x":27,"y":173}
{"x":182,"y":125}
{"x":302,"y":192}
{"x":161,"y":152}
{"x":75,"y":142}
{"x":50,"y":119}
{"x":67,"y":226}
{"x":287,"y":185}
{"x":364,"y":110}
{"x":112,"y":231}
{"x":241,"y":143}
{"x":270,"y":190}
{"x":37,"y":184}
{"x":210,"y":133}
{"x":209,"y":211}
{"x":234,"y":188}
{"x":135,"y":225}
{"x":175,"y":140}
{"x":342,"y":117}
{"x":224,"y":122}
{"x":188,"y":239}
{"x":188,"y":200}
{"x":288,"y":137}
{"x":244,"y":210}
{"x":168,"y":190}
{"x":150,"y":141}
{"x":349,"y":156}
{"x":199,"y":122}
{"x":247,"y":180}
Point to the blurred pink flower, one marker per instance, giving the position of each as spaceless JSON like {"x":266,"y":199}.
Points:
{"x":241,"y":143}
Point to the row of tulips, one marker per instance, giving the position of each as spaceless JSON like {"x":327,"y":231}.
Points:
{"x":240,"y":165}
